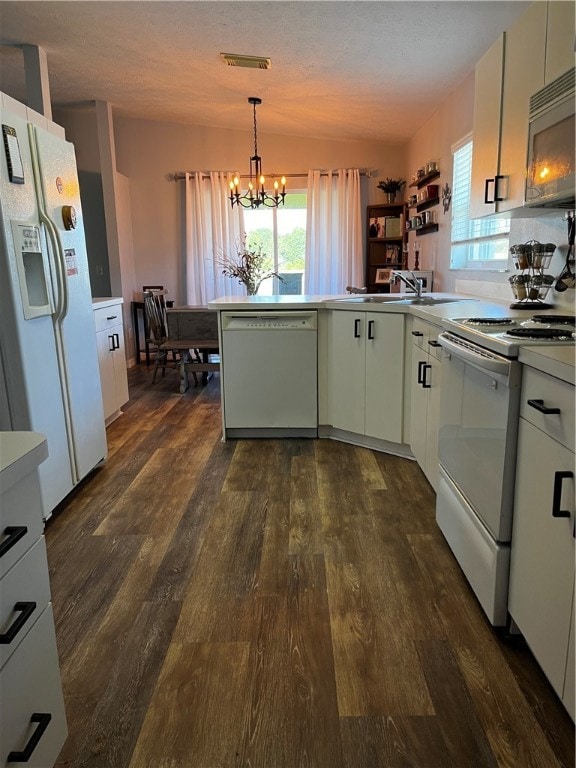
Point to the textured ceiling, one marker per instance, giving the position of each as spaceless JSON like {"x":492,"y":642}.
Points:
{"x":351,"y":70}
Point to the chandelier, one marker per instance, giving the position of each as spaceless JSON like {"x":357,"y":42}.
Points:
{"x":256,"y":195}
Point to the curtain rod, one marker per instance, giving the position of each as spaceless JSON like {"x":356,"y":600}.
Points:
{"x":181,"y":175}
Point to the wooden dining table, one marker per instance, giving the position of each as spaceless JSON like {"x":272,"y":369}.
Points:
{"x":197,"y":327}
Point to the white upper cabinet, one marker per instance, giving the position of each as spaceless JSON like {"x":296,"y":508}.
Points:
{"x":538,"y":48}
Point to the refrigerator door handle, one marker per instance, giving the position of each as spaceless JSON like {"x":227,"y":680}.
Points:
{"x":61,"y":308}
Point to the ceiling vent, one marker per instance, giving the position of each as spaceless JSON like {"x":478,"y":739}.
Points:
{"x":252,"y":62}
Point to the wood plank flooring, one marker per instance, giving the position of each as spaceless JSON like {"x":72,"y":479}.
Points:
{"x":276,"y":604}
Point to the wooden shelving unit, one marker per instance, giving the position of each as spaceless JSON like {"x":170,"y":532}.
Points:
{"x":386,"y":241}
{"x":426,"y":204}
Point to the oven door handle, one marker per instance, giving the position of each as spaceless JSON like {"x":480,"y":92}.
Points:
{"x":482,"y":359}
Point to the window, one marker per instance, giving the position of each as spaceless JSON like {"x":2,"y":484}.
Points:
{"x":478,"y":243}
{"x":281,"y":232}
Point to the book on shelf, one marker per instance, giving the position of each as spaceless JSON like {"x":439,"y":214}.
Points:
{"x":393,"y":226}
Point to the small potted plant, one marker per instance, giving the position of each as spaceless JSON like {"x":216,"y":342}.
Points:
{"x":391,"y":187}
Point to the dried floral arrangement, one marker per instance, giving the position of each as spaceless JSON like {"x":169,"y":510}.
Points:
{"x":249,"y":265}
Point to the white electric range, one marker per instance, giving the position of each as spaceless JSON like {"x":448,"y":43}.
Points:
{"x":479,"y":412}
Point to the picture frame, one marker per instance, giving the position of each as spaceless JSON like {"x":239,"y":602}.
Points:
{"x":377,"y":227}
{"x":383,"y":275}
{"x":392,"y":254}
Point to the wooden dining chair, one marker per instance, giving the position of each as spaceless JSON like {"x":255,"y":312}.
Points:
{"x":168,"y":353}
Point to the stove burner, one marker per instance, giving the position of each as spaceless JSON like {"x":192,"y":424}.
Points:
{"x":489,"y":321}
{"x":554,"y":334}
{"x":553,"y":319}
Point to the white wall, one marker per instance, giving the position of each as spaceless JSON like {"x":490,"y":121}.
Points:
{"x":433,"y":141}
{"x":149,"y":153}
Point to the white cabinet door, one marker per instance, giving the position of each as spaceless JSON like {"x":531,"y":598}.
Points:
{"x":506,"y":76}
{"x":418,"y":404}
{"x":120,"y":373}
{"x":347,"y":370}
{"x":486,"y":126}
{"x":570,"y":681}
{"x":559,"y":40}
{"x":111,"y":358}
{"x":107,"y":372}
{"x":384,"y":376}
{"x":425,"y":398}
{"x":524,"y":64}
{"x":542,"y":563}
{"x":367,"y":373}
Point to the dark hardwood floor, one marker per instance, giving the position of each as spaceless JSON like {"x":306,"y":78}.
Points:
{"x":275,"y":604}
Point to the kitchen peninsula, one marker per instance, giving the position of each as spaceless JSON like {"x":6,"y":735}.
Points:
{"x":345,"y":371}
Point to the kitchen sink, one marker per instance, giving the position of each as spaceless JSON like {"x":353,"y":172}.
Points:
{"x":372,"y":299}
{"x":429,"y":301}
{"x":424,"y":301}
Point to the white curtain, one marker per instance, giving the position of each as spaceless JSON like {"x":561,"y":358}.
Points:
{"x":213,"y":230}
{"x":333,"y":232}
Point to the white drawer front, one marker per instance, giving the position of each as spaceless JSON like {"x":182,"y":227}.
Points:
{"x":548,"y":393}
{"x":23,"y":586}
{"x":30,"y":683}
{"x":108,"y":317}
{"x":20,"y":521}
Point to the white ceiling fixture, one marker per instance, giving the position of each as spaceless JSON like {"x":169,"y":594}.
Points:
{"x":250,"y":62}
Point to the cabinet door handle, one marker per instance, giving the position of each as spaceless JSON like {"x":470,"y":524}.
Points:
{"x":371,"y":330}
{"x":434,"y":343}
{"x":357,"y":328}
{"x":421,"y":364}
{"x":498,"y":198}
{"x":116,"y":341}
{"x":486,"y":185}
{"x":26,"y":610}
{"x":43,"y":719}
{"x":539,"y":406}
{"x":417,"y":333}
{"x":14,"y":534}
{"x":111,"y":342}
{"x":425,"y":367}
{"x":559,"y":477}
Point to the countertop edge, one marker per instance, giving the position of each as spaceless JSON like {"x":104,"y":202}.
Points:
{"x":106,"y":301}
{"x":20,"y":454}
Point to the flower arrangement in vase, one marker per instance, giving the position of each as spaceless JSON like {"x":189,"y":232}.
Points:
{"x":391,"y":187}
{"x":249,"y":265}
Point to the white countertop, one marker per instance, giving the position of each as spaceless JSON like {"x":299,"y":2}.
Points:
{"x":20,"y":454}
{"x":106,"y":301}
{"x":557,"y":360}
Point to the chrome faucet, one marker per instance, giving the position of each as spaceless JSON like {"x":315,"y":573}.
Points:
{"x":414,"y":285}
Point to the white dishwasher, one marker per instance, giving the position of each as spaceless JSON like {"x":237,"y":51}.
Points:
{"x":269,"y":370}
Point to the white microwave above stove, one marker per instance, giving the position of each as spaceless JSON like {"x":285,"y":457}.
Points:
{"x":550,"y":177}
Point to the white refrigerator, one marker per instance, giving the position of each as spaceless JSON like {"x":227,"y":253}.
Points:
{"x":48,"y":353}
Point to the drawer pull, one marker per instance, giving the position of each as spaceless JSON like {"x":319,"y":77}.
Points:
{"x":111,"y":317}
{"x":26,"y":610}
{"x":559,"y":477}
{"x":434,"y":343}
{"x":43,"y":719}
{"x":14,"y":534}
{"x":417,"y":333}
{"x":539,"y":406}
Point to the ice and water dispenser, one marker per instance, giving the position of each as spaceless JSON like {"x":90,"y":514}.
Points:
{"x":32,"y":269}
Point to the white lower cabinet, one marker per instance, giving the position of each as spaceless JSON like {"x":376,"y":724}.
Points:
{"x":425,"y":383}
{"x":32,"y":715}
{"x":111,"y":358}
{"x":366,"y":373}
{"x":541,"y":599}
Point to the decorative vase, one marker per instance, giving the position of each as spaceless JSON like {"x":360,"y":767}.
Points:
{"x":390,"y":197}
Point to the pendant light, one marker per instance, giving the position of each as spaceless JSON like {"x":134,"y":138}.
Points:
{"x":256,"y":195}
